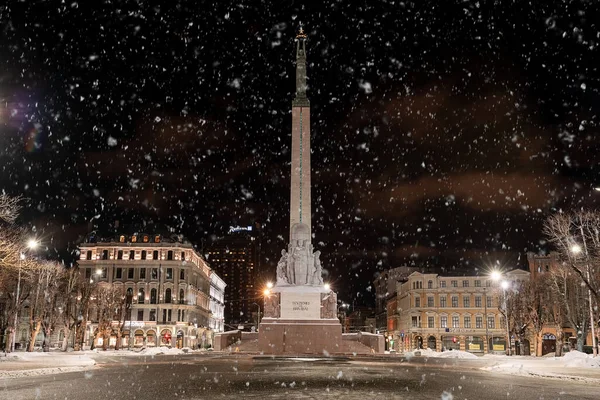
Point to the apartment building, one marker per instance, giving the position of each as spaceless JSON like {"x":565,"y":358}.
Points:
{"x":450,"y":312}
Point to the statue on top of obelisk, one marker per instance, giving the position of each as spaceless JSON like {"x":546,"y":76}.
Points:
{"x":299,"y":265}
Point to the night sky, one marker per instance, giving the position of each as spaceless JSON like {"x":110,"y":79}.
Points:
{"x":443,"y":132}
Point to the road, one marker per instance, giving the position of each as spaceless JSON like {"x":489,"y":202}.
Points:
{"x":229,"y":376}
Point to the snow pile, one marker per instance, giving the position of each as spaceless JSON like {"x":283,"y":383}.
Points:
{"x":436,"y":354}
{"x":152,"y":351}
{"x":577,"y":359}
{"x":58,"y":359}
{"x":457,"y":354}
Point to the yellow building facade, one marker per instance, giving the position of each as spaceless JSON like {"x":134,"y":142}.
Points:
{"x":452,"y":313}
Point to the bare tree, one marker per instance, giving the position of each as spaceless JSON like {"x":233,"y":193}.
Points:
{"x":86,"y":293}
{"x":46,"y":279}
{"x":10,"y":207}
{"x":570,"y":291}
{"x":110,"y":306}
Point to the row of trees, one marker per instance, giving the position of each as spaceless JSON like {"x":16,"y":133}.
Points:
{"x":567,"y":294}
{"x":50,"y":296}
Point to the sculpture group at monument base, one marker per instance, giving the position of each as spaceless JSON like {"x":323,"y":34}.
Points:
{"x":317,"y":337}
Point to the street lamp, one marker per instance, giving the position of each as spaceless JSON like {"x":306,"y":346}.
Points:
{"x":576,"y":249}
{"x":31,"y":244}
{"x":505,"y":286}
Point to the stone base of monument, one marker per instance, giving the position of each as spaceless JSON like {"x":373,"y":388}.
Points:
{"x":300,"y":320}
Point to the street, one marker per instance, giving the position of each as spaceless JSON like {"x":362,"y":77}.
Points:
{"x":228,"y":376}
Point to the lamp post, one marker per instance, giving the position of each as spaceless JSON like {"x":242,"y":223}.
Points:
{"x":505,"y":286}
{"x":576,"y":249}
{"x":487,"y":337}
{"x":31,"y":244}
{"x":258,"y":316}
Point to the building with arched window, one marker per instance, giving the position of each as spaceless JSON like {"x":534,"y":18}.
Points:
{"x":169,"y":285}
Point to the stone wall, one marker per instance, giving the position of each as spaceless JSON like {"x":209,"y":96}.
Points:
{"x":226,"y":339}
{"x":375,"y":342}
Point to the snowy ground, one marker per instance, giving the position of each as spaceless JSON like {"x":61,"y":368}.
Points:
{"x":573,"y":365}
{"x":21,"y":364}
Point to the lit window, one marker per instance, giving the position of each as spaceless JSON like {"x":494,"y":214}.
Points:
{"x":122,"y":239}
{"x":134,"y":239}
{"x":146,"y":239}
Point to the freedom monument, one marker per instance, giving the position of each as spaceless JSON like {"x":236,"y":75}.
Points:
{"x":300,"y":312}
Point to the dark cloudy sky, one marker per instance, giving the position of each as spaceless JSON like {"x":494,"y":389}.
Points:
{"x":444,"y":132}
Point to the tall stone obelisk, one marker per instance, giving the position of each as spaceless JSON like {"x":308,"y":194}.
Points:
{"x":300,"y":201}
{"x":300,"y":312}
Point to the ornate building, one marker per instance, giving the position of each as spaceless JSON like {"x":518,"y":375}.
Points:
{"x":170,"y":288}
{"x":450,"y":312}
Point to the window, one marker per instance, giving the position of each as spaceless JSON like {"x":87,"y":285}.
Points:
{"x":143,"y":273}
{"x":141,"y":296}
{"x":119,"y":273}
{"x":455,"y":321}
{"x":103,"y":273}
{"x":130,"y":273}
{"x":169,"y":315}
{"x":122,"y":239}
{"x":88,"y":255}
{"x":165,"y":315}
{"x":467,"y":322}
{"x":183,"y":315}
{"x":430,"y":322}
{"x":155,"y":255}
{"x":414,"y":322}
{"x":105,"y":254}
{"x":146,"y":239}
{"x":132,"y":254}
{"x":465,"y":283}
{"x":488,"y":283}
{"x":143,"y":254}
{"x":430,"y":301}
{"x":478,"y":322}
{"x":153,"y":296}
{"x":430,"y":285}
{"x":168,"y":296}
{"x":444,"y":321}
{"x":170,"y":255}
{"x":154,"y":273}
{"x":134,"y":239}
{"x":140,"y":316}
{"x":157,"y":239}
{"x":443,"y":284}
{"x":454,"y":301}
{"x":478,"y":301}
{"x":183,"y":256}
{"x":120,"y":255}
{"x":466,"y":301}
{"x":178,"y":315}
{"x":477,"y":283}
{"x":417,"y":302}
{"x":181,"y":274}
{"x":181,"y":296}
{"x":152,"y":315}
{"x":443,"y":301}
{"x":491,"y":322}
{"x":170,"y":273}
{"x":454,"y":283}
{"x":488,"y":301}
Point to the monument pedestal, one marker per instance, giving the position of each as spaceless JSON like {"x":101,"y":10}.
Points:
{"x":300,"y":320}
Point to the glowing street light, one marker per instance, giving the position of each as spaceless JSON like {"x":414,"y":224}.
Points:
{"x":576,"y":249}
{"x":31,"y":244}
{"x":326,"y":286}
{"x":269,"y":285}
{"x":496,"y":275}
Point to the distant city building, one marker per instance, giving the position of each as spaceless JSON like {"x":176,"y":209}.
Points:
{"x":217,"y":303}
{"x":385,"y":287}
{"x":235,"y":258}
{"x":171,"y":288}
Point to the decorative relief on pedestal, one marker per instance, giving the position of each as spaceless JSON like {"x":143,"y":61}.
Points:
{"x":328,"y":305}
{"x":299,"y":265}
{"x":272,"y":306}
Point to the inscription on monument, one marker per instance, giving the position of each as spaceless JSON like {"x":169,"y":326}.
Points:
{"x":301,"y":305}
